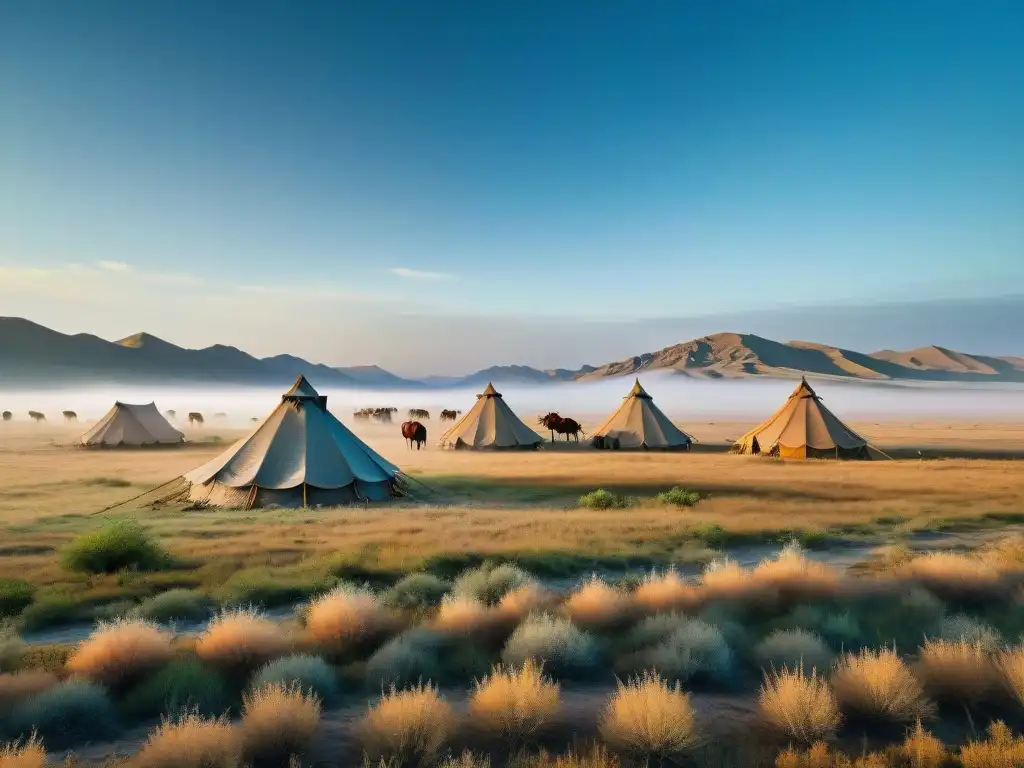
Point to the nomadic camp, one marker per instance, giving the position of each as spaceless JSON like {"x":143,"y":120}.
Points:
{"x":639,"y":423}
{"x":803,"y":428}
{"x":127,"y":425}
{"x":490,"y":424}
{"x":299,"y":456}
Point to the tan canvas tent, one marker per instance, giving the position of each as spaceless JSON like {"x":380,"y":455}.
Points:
{"x":490,"y":424}
{"x":639,"y":423}
{"x":300,"y":455}
{"x":803,"y":428}
{"x":131,"y":425}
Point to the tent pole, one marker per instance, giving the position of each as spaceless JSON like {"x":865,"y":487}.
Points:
{"x":304,"y":504}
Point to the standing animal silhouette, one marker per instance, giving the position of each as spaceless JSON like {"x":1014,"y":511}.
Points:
{"x":414,"y":433}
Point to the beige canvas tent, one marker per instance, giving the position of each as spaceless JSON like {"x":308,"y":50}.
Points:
{"x":639,"y":423}
{"x":131,"y":425}
{"x":803,"y":428}
{"x":300,"y":455}
{"x":490,"y":424}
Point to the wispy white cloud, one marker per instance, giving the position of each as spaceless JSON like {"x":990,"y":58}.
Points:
{"x":78,"y":280}
{"x":115,"y":266}
{"x":416,"y":274}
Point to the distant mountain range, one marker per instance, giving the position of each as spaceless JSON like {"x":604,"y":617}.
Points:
{"x":33,"y":355}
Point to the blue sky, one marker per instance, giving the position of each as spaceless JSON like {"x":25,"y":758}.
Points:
{"x":384,"y":170}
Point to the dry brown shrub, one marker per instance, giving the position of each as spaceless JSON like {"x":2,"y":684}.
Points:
{"x":347,"y":616}
{"x":647,"y":716}
{"x":1006,"y":555}
{"x":879,"y":684}
{"x":794,"y":574}
{"x":798,"y":705}
{"x":514,"y":703}
{"x":665,"y":592}
{"x":818,"y":755}
{"x":408,"y":725}
{"x":17,"y":686}
{"x":242,"y":639}
{"x":278,"y":722}
{"x":957,"y":670}
{"x":191,"y":741}
{"x":727,"y":580}
{"x":951,"y":575}
{"x":595,"y":605}
{"x":1001,"y":750}
{"x":1010,"y":667}
{"x":467,"y":760}
{"x":463,"y":616}
{"x":31,"y":754}
{"x":517,"y":604}
{"x":593,"y":756}
{"x":921,"y":749}
{"x":120,"y":651}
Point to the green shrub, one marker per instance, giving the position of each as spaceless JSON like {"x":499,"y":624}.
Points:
{"x":309,"y":673}
{"x":259,"y":587}
{"x":489,"y":583}
{"x":182,"y":684}
{"x":118,"y":545}
{"x":695,"y":651}
{"x":793,"y":649}
{"x":52,"y":612}
{"x":67,"y":714}
{"x":970,"y":630}
{"x":175,"y":605}
{"x":11,"y":649}
{"x":554,"y":641}
{"x":679,"y":496}
{"x":47,"y":657}
{"x":15,"y":595}
{"x":602,"y":499}
{"x":405,"y":659}
{"x":118,"y":609}
{"x":417,"y":591}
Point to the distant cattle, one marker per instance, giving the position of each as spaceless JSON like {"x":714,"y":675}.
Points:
{"x":36,"y":416}
{"x":70,"y":416}
{"x":220,"y":415}
{"x":8,"y":415}
{"x":449,"y":415}
{"x":414,"y":432}
{"x":418,"y":413}
{"x":195,"y":418}
{"x":255,"y":418}
{"x":362,"y":414}
{"x":172,"y":415}
{"x":383,"y":415}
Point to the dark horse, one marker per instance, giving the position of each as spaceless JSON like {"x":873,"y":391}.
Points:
{"x":562,"y":426}
{"x":414,"y":432}
{"x":449,"y":415}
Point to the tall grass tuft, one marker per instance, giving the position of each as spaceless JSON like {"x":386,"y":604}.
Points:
{"x":348,"y":617}
{"x":957,"y":671}
{"x":519,"y":603}
{"x":405,"y":726}
{"x":648,"y":717}
{"x":514,"y":703}
{"x":1010,"y":667}
{"x":489,"y":583}
{"x":309,"y":674}
{"x":921,"y":749}
{"x":794,"y":574}
{"x":118,"y":545}
{"x":793,"y":648}
{"x":879,"y":684}
{"x":30,"y":754}
{"x":724,"y":579}
{"x":417,"y":591}
{"x":119,"y":652}
{"x":555,"y":642}
{"x":67,"y":714}
{"x":798,"y":705}
{"x":15,"y":687}
{"x":188,"y":740}
{"x":242,"y":639}
{"x":665,"y":592}
{"x":278,"y":722}
{"x":462,"y":615}
{"x":1001,"y":749}
{"x":595,"y":605}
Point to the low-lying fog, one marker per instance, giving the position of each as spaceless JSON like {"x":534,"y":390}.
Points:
{"x":681,"y":398}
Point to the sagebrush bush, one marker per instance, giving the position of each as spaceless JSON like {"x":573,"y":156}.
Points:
{"x":649,"y":717}
{"x":653,"y":630}
{"x":242,"y":639}
{"x":463,"y":615}
{"x":595,"y":605}
{"x":404,"y":659}
{"x":417,"y":591}
{"x":348,"y":617}
{"x":970,"y":630}
{"x":119,"y":652}
{"x":694,"y":651}
{"x":519,"y":603}
{"x":15,"y":687}
{"x":11,"y":649}
{"x":190,"y":740}
{"x":921,"y":749}
{"x":877,"y":683}
{"x":1001,"y":749}
{"x":27,"y":754}
{"x":553,"y":641}
{"x":794,"y":574}
{"x":490,"y":583}
{"x":262,"y":587}
{"x":793,"y":648}
{"x":406,"y":726}
{"x":52,"y":611}
{"x":1010,"y":668}
{"x":602,"y":499}
{"x":666,"y":591}
{"x":953,"y":576}
{"x":278,"y":722}
{"x":69,"y":713}
{"x":957,"y":671}
{"x":15,"y":596}
{"x":118,"y":545}
{"x":514,"y":703}
{"x":183,"y":685}
{"x":724,"y":579}
{"x":175,"y":605}
{"x":310,"y":674}
{"x":679,"y":496}
{"x":798,"y":705}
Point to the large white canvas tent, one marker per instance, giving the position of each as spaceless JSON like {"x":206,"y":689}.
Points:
{"x":300,"y":455}
{"x":803,"y":428}
{"x":490,"y":424}
{"x":131,"y":425}
{"x":639,"y":423}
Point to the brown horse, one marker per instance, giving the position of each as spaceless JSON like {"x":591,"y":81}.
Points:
{"x":70,"y":416}
{"x":195,"y":418}
{"x":449,"y":415}
{"x":414,"y":432}
{"x":36,"y":416}
{"x":562,"y":426}
{"x":8,"y":415}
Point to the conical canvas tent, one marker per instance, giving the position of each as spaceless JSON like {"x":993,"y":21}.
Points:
{"x":639,"y":423}
{"x":131,"y":425}
{"x":490,"y":424}
{"x":803,"y":428}
{"x":300,"y":455}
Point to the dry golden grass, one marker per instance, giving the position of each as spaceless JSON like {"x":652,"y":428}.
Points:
{"x":462,"y":616}
{"x":921,"y":749}
{"x":514,"y":703}
{"x":347,"y":616}
{"x":17,"y":686}
{"x":408,"y":725}
{"x":278,"y":721}
{"x":120,"y":651}
{"x":1010,"y":668}
{"x":595,"y":605}
{"x":191,"y":741}
{"x":727,"y":580}
{"x":242,"y":639}
{"x":818,"y":755}
{"x":666,"y":591}
{"x":957,"y":670}
{"x":879,"y":684}
{"x":1002,"y":749}
{"x":30,"y":754}
{"x":649,"y":717}
{"x":800,"y":706}
{"x":952,"y":575}
{"x":794,"y":574}
{"x":593,"y":756}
